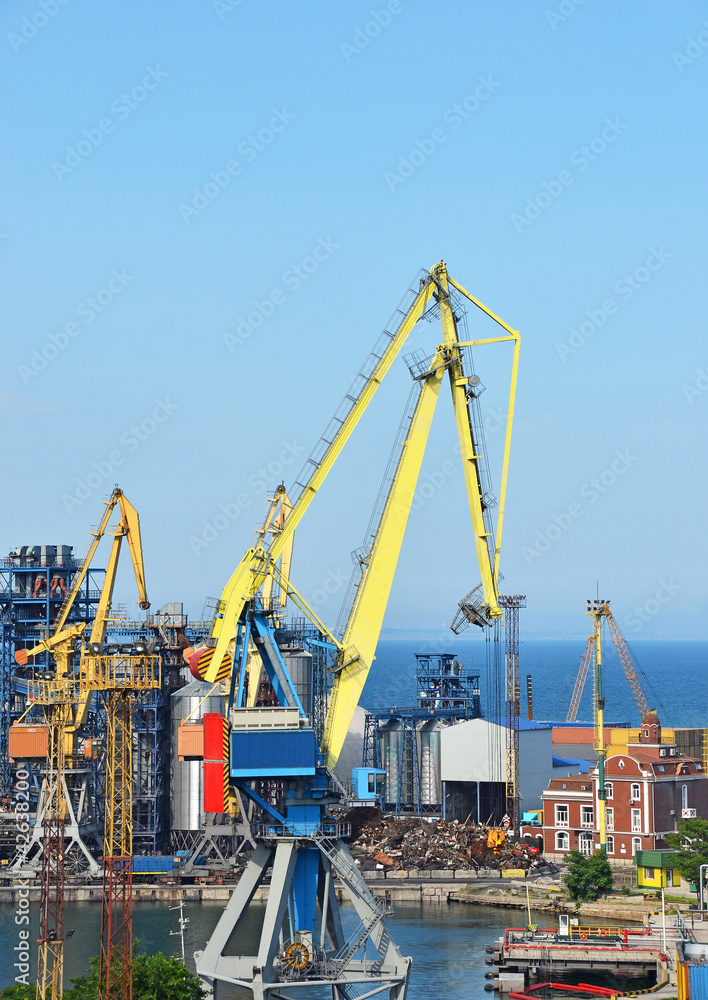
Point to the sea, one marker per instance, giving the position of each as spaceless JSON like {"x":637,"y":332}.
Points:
{"x":446,"y":941}
{"x":673,"y":676}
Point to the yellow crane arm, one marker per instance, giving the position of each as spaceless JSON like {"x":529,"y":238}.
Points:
{"x":60,"y":645}
{"x":459,"y":385}
{"x":279,"y":511}
{"x":363,"y":627}
{"x":128,"y":527}
{"x":254,"y":567}
{"x":131,"y":522}
{"x":79,"y":577}
{"x":512,"y":335}
{"x":585,"y":662}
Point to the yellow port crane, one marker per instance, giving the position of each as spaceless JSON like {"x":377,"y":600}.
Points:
{"x":304,"y":846}
{"x":65,"y":698}
{"x":357,"y":646}
{"x":119,"y":678}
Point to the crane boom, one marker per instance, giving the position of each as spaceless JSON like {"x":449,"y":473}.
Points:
{"x":253,"y":568}
{"x":362,"y":631}
{"x":577,"y":695}
{"x":626,"y":661}
{"x":300,"y":841}
{"x":131,"y":525}
{"x":215,"y":662}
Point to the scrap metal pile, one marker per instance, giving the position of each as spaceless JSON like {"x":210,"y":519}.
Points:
{"x":414,"y":844}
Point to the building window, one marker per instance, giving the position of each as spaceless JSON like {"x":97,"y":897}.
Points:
{"x":649,"y":873}
{"x":636,"y":844}
{"x":585,"y":843}
{"x":586,"y":816}
{"x":561,"y":815}
{"x":610,"y":845}
{"x":608,"y":789}
{"x":684,"y":796}
{"x":635,"y":793}
{"x":562,"y":841}
{"x":610,"y":818}
{"x":636,"y":820}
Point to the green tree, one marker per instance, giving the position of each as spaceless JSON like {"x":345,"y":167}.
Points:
{"x":155,"y":977}
{"x":691,"y":843}
{"x":19,"y":991}
{"x":587,"y":876}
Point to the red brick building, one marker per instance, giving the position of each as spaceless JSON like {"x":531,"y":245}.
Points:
{"x":649,"y":788}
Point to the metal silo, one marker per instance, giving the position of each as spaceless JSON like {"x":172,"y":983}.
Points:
{"x":390,"y":735}
{"x":430,"y":781}
{"x":186,"y":776}
{"x":299,"y":664}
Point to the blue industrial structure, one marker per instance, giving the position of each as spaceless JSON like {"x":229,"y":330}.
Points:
{"x":393,"y":738}
{"x":34,"y":582}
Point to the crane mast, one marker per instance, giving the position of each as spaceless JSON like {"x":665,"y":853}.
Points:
{"x":303,"y":940}
{"x":598,"y":610}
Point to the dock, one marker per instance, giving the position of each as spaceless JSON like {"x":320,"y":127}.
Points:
{"x":538,"y":955}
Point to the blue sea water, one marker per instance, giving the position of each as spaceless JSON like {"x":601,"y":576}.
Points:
{"x":447,"y":942}
{"x":674,"y":676}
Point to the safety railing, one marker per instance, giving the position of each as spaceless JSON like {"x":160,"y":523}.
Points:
{"x":106,"y":673}
{"x":314,"y":831}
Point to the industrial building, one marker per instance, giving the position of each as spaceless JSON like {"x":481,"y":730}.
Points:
{"x":406,"y":742}
{"x":473,"y":772}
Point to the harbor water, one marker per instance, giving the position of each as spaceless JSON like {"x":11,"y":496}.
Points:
{"x":446,"y":941}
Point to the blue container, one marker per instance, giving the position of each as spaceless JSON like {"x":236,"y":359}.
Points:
{"x":273,"y":753}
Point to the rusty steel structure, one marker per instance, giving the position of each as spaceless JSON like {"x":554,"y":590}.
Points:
{"x":119,"y":678}
{"x":57,"y":698}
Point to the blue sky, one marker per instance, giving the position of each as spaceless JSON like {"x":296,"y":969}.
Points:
{"x":211,"y":209}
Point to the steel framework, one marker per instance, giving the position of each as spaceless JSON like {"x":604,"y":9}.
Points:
{"x":116,"y":954}
{"x":408,"y":769}
{"x":511,"y":607}
{"x":57,"y":700}
{"x":585,"y":662}
{"x":602,"y":610}
{"x":32,"y":587}
{"x":120,"y":679}
{"x":445,"y":693}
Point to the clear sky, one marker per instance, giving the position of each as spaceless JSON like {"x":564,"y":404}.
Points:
{"x":210,"y":210}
